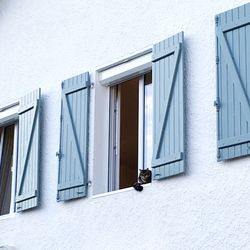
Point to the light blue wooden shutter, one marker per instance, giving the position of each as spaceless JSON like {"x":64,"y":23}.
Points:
{"x":27,"y":180}
{"x":233,"y":82}
{"x":168,"y":110}
{"x":73,"y":154}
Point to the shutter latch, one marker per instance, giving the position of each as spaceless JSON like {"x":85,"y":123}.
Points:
{"x":217,"y":104}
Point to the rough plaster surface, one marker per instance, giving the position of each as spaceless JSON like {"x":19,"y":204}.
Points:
{"x":44,"y":42}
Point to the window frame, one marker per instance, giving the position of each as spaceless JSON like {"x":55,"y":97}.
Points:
{"x":114,"y":132}
{"x":135,"y":65}
{"x":9,"y":116}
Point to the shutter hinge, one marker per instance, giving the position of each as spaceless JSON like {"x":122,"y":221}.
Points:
{"x":89,"y":184}
{"x":217,"y":60}
{"x":218,"y":154}
{"x":58,"y":154}
{"x":62,"y":85}
{"x":216,"y":20}
{"x":217,"y":104}
{"x":57,"y":197}
{"x":92,"y":85}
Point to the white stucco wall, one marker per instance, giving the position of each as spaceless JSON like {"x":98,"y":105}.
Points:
{"x":44,"y":42}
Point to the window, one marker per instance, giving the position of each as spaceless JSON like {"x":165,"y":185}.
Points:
{"x":137,"y":121}
{"x":130,"y":143}
{"x":7,"y":167}
{"x":145,"y":110}
{"x":19,"y":154}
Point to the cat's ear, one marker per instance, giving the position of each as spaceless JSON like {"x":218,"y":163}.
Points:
{"x":147,"y":169}
{"x":140,"y":170}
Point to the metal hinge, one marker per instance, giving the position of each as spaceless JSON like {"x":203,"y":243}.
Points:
{"x":218,"y":154}
{"x":58,"y":154}
{"x":217,"y":59}
{"x":92,"y":85}
{"x":62,"y":85}
{"x":217,"y":104}
{"x":216,"y":20}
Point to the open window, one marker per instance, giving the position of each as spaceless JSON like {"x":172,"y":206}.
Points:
{"x":130,"y":142}
{"x":19,"y":154}
{"x":139,"y":117}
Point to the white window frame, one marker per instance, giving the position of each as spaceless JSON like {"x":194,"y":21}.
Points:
{"x":136,"y":65}
{"x":9,"y":116}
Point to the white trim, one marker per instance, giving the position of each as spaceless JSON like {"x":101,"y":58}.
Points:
{"x":9,"y":113}
{"x":8,"y":216}
{"x":1,"y":144}
{"x":14,"y":169}
{"x":119,"y":191}
{"x":141,"y":124}
{"x":126,"y":69}
{"x":118,"y":135}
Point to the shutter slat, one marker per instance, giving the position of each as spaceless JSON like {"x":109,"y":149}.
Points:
{"x":232,"y":31}
{"x":27,"y":192}
{"x":168,"y":132}
{"x":73,"y":157}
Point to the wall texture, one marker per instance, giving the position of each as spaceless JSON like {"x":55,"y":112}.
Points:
{"x":44,"y":42}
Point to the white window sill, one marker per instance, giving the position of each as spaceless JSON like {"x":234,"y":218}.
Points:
{"x":7,"y":216}
{"x":119,"y":191}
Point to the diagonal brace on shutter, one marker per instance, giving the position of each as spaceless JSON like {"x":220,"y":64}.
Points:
{"x":167,"y":103}
{"x":72,"y":127}
{"x":27,"y":150}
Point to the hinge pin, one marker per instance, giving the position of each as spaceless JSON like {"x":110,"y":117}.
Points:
{"x":217,"y":105}
{"x":218,"y":154}
{"x":217,"y":60}
{"x":216,"y":20}
{"x":58,"y":154}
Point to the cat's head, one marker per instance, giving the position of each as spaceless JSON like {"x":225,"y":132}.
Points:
{"x":146,"y":173}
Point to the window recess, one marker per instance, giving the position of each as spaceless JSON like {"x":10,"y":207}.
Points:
{"x":19,"y":154}
{"x":130,"y":144}
{"x":145,"y":115}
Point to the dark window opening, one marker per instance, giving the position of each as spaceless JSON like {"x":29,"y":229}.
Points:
{"x":6,"y":163}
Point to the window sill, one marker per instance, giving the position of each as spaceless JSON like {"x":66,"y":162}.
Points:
{"x":118,"y":191}
{"x":7,"y":216}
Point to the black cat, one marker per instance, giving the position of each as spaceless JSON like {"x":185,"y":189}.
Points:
{"x":145,"y":176}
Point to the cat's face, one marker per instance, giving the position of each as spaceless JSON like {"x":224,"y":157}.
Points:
{"x":145,"y":175}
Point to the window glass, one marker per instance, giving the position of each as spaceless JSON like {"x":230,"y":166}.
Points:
{"x":148,"y":121}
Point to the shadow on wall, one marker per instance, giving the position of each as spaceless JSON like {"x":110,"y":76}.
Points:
{"x":7,"y":248}
{"x":3,"y":8}
{"x":186,"y":57}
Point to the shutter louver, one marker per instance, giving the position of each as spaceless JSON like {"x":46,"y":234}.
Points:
{"x":233,"y":83}
{"x":73,"y":154}
{"x":27,"y":180}
{"x":168,"y":85}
